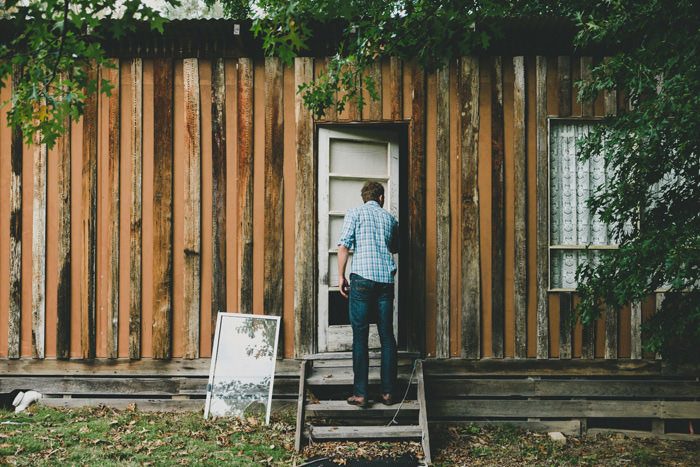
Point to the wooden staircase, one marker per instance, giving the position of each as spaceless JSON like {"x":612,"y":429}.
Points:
{"x":325,"y":384}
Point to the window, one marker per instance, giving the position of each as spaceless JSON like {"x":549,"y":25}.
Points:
{"x":575,"y":236}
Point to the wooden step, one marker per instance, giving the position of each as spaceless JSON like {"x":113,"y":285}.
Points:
{"x":343,"y":409}
{"x":364,"y":432}
{"x":348,"y":355}
{"x":344,"y":376}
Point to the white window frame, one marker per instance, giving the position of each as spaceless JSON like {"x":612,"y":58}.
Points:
{"x":564,"y":247}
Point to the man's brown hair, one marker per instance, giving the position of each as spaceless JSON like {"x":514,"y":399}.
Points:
{"x":371,"y":191}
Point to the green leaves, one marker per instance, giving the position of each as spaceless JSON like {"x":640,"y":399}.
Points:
{"x":56,"y":40}
{"x":654,"y":148}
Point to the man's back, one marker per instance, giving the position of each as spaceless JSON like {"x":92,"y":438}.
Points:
{"x":373,"y":234}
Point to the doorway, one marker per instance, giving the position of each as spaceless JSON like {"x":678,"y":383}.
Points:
{"x":347,"y":157}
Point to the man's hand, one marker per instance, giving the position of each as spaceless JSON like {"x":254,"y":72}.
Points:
{"x":344,"y":287}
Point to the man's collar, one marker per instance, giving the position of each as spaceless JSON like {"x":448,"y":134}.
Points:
{"x":373,"y":202}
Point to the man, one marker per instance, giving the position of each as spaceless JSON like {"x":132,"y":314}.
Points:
{"x":373,"y":235}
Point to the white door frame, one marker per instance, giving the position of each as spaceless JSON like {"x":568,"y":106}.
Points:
{"x":339,"y":337}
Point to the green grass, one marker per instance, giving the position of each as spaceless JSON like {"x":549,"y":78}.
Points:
{"x":105,"y":437}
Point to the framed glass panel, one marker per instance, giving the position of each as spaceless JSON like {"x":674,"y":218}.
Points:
{"x":242,"y":368}
{"x":358,"y":158}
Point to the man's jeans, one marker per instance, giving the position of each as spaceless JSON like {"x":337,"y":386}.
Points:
{"x":366,"y":297}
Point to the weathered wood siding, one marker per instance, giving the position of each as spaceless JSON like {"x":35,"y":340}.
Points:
{"x":192,"y":190}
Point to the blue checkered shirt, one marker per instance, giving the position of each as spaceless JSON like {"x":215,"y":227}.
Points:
{"x":373,"y":234}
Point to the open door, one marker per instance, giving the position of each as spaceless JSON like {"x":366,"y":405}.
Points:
{"x":346,"y":159}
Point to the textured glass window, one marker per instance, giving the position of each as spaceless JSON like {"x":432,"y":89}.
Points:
{"x":576,"y":236}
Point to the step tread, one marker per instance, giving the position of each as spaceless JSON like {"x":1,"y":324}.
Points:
{"x":343,"y":406}
{"x":364,"y":432}
{"x":344,"y":376}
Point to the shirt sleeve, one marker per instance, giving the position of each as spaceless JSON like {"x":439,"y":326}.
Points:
{"x":347,"y":237}
{"x":394,"y":244}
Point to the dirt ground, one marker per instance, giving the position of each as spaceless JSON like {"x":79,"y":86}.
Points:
{"x":509,"y":446}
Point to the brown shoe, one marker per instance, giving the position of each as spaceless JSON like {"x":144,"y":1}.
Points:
{"x":387,"y":399}
{"x":361,"y":402}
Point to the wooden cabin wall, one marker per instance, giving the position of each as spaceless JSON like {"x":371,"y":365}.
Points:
{"x":177,"y":196}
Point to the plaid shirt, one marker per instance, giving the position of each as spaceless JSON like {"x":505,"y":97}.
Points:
{"x":373,"y":234}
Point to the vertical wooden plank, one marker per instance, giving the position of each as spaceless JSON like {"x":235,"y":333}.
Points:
{"x":15,"y":253}
{"x":395,"y":88}
{"x":192,"y":212}
{"x":498,"y":211}
{"x":588,"y":340}
{"x":218,"y":154}
{"x":231,"y":134}
{"x":611,"y":314}
{"x":5,"y":181}
{"x":542,"y":211}
{"x":63,"y":301}
{"x":15,"y":311}
{"x":442,"y":257}
{"x":273,"y":292}
{"x":39,"y":250}
{"x":564,"y":77}
{"x":375,"y":105}
{"x":659,"y":297}
{"x":304,"y":367}
{"x":163,"y":86}
{"x":416,"y":209}
{"x":610,"y":101}
{"x":423,"y":412}
{"x":352,"y":109}
{"x":565,"y":324}
{"x":321,"y":68}
{"x":586,"y":106}
{"x":148,"y":290}
{"x":290,"y":193}
{"x":259,"y":78}
{"x":245,"y":184}
{"x":636,"y":327}
{"x":206,"y":98}
{"x":304,"y":226}
{"x":431,"y":215}
{"x":135,"y":212}
{"x":468,"y":83}
{"x":113,"y":225}
{"x":89,"y":225}
{"x":520,"y":207}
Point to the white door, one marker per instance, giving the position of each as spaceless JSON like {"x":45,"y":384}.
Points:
{"x":346,"y":159}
